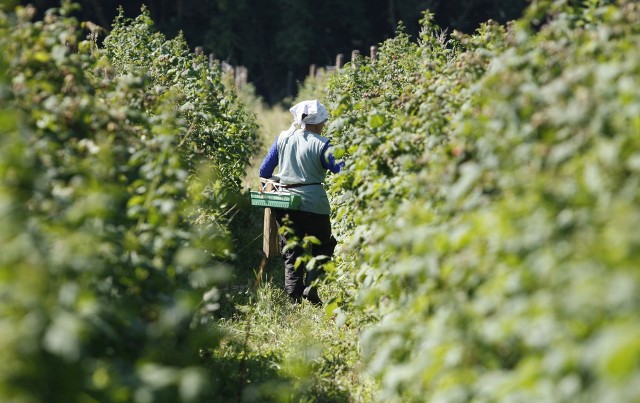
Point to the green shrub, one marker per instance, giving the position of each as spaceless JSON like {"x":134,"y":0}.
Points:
{"x":217,"y":126}
{"x":489,"y":205}
{"x":106,"y":282}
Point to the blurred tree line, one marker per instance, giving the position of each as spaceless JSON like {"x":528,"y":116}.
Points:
{"x":277,"y":40}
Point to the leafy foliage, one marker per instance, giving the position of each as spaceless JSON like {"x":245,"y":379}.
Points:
{"x":106,"y":282}
{"x":488,"y":207}
{"x":217,"y":125}
{"x":487,"y":217}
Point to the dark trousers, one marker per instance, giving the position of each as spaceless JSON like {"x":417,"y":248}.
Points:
{"x":303,"y":223}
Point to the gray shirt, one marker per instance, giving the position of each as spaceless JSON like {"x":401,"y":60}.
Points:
{"x":300,"y":161}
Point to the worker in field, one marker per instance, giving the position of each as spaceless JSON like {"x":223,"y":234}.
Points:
{"x":303,"y":157}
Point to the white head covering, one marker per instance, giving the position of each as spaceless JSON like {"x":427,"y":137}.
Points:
{"x":315,"y":111}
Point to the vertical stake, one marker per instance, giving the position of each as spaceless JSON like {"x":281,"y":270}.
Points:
{"x":339,"y":61}
{"x":374,"y":52}
{"x":354,"y":56}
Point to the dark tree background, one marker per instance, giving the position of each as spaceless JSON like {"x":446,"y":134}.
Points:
{"x":277,"y":40}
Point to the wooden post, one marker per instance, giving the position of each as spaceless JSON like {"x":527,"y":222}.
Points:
{"x":270,"y":244}
{"x":312,"y":71}
{"x":240,"y":76}
{"x":270,"y":235}
{"x":339,"y":61}
{"x":374,"y":52}
{"x":354,"y":56}
{"x":199,"y":50}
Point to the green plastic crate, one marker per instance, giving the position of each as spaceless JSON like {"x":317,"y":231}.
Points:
{"x":275,"y":199}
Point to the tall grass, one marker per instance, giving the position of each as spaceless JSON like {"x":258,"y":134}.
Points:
{"x":278,"y":352}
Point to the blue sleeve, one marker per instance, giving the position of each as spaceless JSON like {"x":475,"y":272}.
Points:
{"x":329,"y":161}
{"x":270,"y":162}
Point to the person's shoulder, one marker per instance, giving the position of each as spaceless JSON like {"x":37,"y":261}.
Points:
{"x":318,"y":137}
{"x":286,"y":133}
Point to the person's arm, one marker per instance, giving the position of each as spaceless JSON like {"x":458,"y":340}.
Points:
{"x":328,"y":160}
{"x":270,"y":161}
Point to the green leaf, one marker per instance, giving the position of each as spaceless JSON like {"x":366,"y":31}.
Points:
{"x":376,"y":121}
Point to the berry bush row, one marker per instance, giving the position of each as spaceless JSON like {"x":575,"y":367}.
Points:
{"x":117,"y":165}
{"x":489,"y":207}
